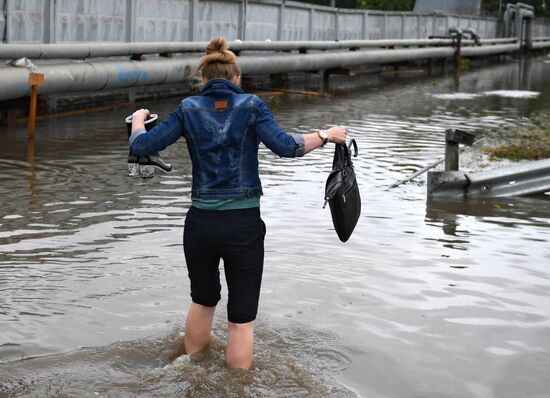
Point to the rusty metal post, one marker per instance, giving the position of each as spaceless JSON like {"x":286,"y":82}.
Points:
{"x":458,"y":44}
{"x":35,"y":80}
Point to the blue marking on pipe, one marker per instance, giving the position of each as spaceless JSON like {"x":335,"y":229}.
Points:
{"x":130,"y":75}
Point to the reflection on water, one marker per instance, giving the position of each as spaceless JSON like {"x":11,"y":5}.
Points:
{"x":426,"y":299}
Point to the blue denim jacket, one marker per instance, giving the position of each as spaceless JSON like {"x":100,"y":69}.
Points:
{"x":223,"y":127}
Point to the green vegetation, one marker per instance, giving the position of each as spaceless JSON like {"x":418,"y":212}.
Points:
{"x":389,"y":5}
{"x":541,"y":8}
{"x":531,"y":142}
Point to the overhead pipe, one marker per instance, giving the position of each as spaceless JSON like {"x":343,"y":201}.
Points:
{"x":99,"y":50}
{"x":112,"y":74}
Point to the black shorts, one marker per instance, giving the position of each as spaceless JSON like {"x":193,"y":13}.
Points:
{"x":237,"y":237}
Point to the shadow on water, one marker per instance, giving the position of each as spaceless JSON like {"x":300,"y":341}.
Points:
{"x":289,"y":363}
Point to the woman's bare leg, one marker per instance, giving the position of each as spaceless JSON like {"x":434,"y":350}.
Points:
{"x":197,"y":328}
{"x":240,"y":345}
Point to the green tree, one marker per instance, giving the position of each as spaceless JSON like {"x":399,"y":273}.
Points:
{"x":388,"y":5}
{"x":541,"y":9}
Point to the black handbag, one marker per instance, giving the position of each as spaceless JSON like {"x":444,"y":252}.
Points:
{"x":342,"y":191}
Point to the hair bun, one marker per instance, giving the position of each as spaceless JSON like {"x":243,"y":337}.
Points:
{"x":218,"y":44}
{"x":218,"y":51}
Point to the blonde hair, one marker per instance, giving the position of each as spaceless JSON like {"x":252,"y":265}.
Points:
{"x":219,"y":62}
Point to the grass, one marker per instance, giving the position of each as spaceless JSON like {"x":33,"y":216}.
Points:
{"x":530,"y":142}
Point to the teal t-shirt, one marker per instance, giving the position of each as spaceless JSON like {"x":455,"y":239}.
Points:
{"x":226,"y":204}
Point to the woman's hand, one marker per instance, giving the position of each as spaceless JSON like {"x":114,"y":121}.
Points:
{"x":140,"y":115}
{"x":337,"y":134}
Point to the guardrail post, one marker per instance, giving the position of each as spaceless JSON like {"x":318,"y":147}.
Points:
{"x":452,"y":139}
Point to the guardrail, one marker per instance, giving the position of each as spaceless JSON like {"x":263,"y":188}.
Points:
{"x":529,"y":178}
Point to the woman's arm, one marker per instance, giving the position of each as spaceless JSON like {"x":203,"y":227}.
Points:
{"x":159,"y":137}
{"x":336,"y":134}
{"x":290,"y":145}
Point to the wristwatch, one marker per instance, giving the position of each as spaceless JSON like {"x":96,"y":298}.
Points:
{"x":323,"y":134}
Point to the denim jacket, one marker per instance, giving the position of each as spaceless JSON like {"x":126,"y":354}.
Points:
{"x":222,"y":127}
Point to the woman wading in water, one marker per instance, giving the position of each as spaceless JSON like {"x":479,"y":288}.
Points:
{"x":223,"y":127}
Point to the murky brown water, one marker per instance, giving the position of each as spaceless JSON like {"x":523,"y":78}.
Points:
{"x":442,"y":299}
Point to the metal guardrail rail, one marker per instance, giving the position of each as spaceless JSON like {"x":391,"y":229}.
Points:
{"x":523,"y":179}
{"x":529,"y":178}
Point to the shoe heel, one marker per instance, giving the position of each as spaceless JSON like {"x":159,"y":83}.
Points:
{"x":146,"y":171}
{"x":133,"y":170}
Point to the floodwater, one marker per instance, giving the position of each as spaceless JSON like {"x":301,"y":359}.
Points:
{"x":442,"y":299}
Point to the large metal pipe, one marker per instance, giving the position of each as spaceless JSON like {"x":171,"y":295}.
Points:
{"x":490,"y":50}
{"x":98,"y":50}
{"x":99,"y":75}
{"x":112,"y":74}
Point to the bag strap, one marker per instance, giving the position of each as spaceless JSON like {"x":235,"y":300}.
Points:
{"x":353,"y":143}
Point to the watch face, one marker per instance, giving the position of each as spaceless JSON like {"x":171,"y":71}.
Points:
{"x":323,"y":134}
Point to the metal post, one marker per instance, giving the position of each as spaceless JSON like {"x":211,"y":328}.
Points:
{"x":280,"y":21}
{"x":451,"y":153}
{"x":402,"y":26}
{"x":384,"y":26}
{"x":49,"y":21}
{"x":452,"y":139}
{"x":242,"y":20}
{"x":311,"y":23}
{"x":458,"y":50}
{"x":419,"y":27}
{"x":336,"y":25}
{"x":364,"y":28}
{"x":35,"y":80}
{"x":130,"y":21}
{"x":7,"y":38}
{"x":193,"y":12}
